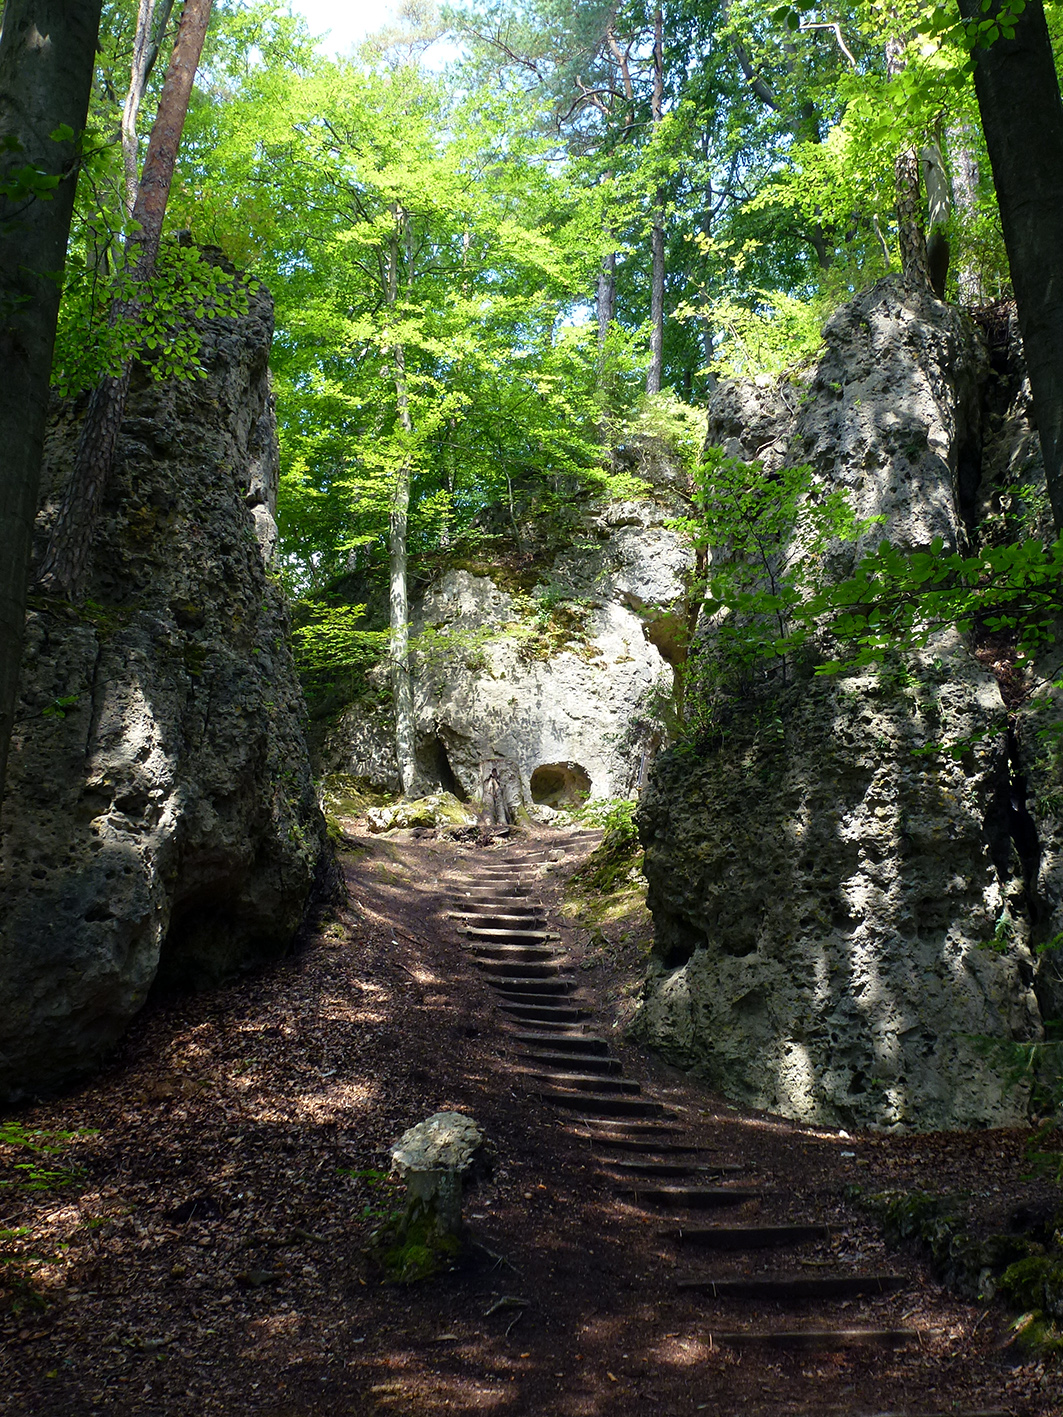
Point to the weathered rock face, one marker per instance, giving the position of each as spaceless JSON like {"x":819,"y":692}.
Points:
{"x":839,"y":918}
{"x":160,"y":821}
{"x":561,"y":721}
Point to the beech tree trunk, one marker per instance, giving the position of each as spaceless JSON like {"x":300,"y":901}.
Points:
{"x":966,"y":180}
{"x":66,"y":560}
{"x":908,"y":195}
{"x":47,"y":54}
{"x":939,"y":210}
{"x":654,"y":372}
{"x":606,"y":297}
{"x":398,"y":520}
{"x":1022,"y":117}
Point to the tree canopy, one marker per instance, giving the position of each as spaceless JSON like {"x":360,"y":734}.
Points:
{"x":469,"y":262}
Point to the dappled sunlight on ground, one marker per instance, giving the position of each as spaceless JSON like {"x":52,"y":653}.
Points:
{"x":207,"y":1253}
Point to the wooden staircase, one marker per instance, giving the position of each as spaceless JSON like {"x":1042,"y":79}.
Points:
{"x":643,"y":1151}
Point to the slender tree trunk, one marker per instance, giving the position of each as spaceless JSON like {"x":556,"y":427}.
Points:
{"x":47,"y":53}
{"x":152,"y":19}
{"x":398,"y":520}
{"x":66,"y":561}
{"x":939,"y":209}
{"x":911,"y":236}
{"x":966,"y":181}
{"x":1022,"y":116}
{"x":606,"y":298}
{"x":655,"y":370}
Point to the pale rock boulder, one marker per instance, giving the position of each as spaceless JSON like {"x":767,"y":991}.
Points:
{"x":160,"y":822}
{"x":840,"y":918}
{"x":559,"y":725}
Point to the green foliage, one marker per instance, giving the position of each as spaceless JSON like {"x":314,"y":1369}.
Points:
{"x":902,"y":599}
{"x":767,"y":332}
{"x":105,"y":323}
{"x":680,"y":426}
{"x":34,"y":1173}
{"x":610,"y":865}
{"x":768,"y":536}
{"x":332,"y":651}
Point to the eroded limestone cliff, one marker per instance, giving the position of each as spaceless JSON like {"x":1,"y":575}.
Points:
{"x":160,"y":822}
{"x":840,"y":920}
{"x":557,"y":686}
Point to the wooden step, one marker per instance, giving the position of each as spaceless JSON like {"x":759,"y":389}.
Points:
{"x":503,"y":937}
{"x":520,"y":968}
{"x":499,"y":918}
{"x":556,"y":1028}
{"x":822,"y":1338}
{"x":626,"y":1169}
{"x":487,"y":895}
{"x":574,"y":1040}
{"x":582,"y":1082}
{"x":644,"y":1130}
{"x":782,"y":1287}
{"x":745,"y":1237}
{"x":476,"y":905}
{"x":582,"y":1061}
{"x":531,"y":990}
{"x":541,"y":953}
{"x":602,"y":1106}
{"x":544,"y":1013}
{"x":696,"y":1197}
{"x":641,"y":1144}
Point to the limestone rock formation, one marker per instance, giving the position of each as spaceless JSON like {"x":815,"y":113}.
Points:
{"x":160,"y":822}
{"x":840,"y":918}
{"x":563,"y":707}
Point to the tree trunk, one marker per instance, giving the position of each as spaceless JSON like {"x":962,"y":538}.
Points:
{"x":66,"y":561}
{"x":939,"y":209}
{"x":910,"y":232}
{"x":1022,"y":117}
{"x":606,"y":298}
{"x":654,"y":372}
{"x":966,"y":181}
{"x":401,"y":687}
{"x":47,"y":54}
{"x":398,"y":519}
{"x":149,"y":32}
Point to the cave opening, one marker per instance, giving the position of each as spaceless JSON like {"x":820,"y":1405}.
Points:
{"x":434,"y":763}
{"x":560,"y":785}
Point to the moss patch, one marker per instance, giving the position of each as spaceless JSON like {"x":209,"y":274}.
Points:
{"x":343,"y":795}
{"x":607,"y":896}
{"x":414,"y":1247}
{"x":1026,"y":1271}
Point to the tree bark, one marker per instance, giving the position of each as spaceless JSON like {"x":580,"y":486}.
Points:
{"x":47,"y":54}
{"x":398,"y":520}
{"x":1022,"y":117}
{"x":606,"y":298}
{"x":966,"y":181}
{"x":655,"y":370}
{"x":908,"y":196}
{"x":66,"y":560}
{"x":149,"y":32}
{"x":939,"y":209}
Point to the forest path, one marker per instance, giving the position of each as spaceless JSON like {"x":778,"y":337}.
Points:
{"x":217,"y":1221}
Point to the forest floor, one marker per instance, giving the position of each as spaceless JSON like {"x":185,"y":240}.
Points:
{"x":198,"y":1245}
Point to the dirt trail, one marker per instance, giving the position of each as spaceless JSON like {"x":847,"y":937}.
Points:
{"x":215,"y":1224}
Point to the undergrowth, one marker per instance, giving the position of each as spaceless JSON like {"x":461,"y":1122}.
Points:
{"x":37,"y":1168}
{"x":1026,"y":1269}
